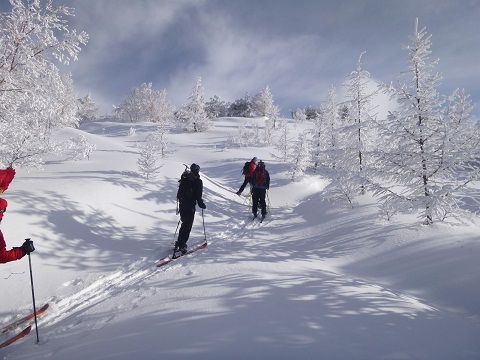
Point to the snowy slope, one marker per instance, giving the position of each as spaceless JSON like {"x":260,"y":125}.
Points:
{"x":316,"y":280}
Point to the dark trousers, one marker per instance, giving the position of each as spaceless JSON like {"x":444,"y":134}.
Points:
{"x":187,"y":215}
{"x":245,"y":182}
{"x":258,"y":195}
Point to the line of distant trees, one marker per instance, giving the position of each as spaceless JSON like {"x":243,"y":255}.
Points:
{"x":145,"y":104}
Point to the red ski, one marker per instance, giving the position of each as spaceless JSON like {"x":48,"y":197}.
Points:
{"x":22,"y":320}
{"x":178,"y":255}
{"x":20,"y":335}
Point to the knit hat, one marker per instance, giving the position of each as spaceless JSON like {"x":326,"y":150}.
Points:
{"x":195,"y":168}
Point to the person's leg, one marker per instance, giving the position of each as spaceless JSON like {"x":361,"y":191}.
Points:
{"x":255,"y":198}
{"x":263,"y":204}
{"x":187,"y":216}
{"x":245,"y":182}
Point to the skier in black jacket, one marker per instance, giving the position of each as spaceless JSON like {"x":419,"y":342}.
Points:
{"x":189,"y":194}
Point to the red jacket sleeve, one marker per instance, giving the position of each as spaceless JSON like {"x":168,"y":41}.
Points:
{"x":8,"y":255}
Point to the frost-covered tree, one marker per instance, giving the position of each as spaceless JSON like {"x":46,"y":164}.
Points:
{"x":283,"y":143}
{"x":333,"y":155}
{"x":160,"y":138}
{"x":145,"y":104}
{"x":216,"y":107}
{"x":325,"y":135}
{"x":312,"y":113}
{"x":359,"y":109}
{"x":78,"y":148}
{"x":87,"y":110}
{"x":247,"y":135}
{"x":430,"y":143}
{"x":263,"y":101}
{"x":300,"y":160}
{"x":357,"y":130}
{"x":299,"y":116}
{"x":161,"y":109}
{"x":35,"y":99}
{"x":148,"y":158}
{"x":193,"y":116}
{"x":241,"y":108}
{"x":131,"y":109}
{"x":263,"y":105}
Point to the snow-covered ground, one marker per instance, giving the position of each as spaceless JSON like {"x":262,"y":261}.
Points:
{"x":316,"y":280}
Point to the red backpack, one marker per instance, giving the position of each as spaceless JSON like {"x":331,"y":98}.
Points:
{"x":259,"y":176}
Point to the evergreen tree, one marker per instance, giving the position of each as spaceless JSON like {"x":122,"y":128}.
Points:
{"x":263,"y":101}
{"x":193,"y":116}
{"x":429,"y":142}
{"x":299,"y":116}
{"x":357,"y":115}
{"x":216,"y":107}
{"x":326,"y":138}
{"x":300,"y":157}
{"x":312,"y":113}
{"x":283,"y":143}
{"x":147,"y":161}
{"x":160,"y":138}
{"x":263,"y":105}
{"x":241,"y":108}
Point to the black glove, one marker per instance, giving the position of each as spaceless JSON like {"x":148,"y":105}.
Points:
{"x":202,"y":205}
{"x":27,"y":247}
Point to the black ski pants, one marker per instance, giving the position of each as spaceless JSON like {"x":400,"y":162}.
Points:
{"x":187,"y":215}
{"x":258,"y":195}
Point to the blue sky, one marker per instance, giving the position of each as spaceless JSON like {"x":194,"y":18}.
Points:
{"x":299,"y":48}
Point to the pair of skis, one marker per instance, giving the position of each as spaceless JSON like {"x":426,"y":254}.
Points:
{"x":178,"y":254}
{"x":258,"y":218}
{"x":18,"y":324}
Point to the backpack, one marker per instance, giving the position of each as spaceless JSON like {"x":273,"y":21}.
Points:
{"x":185,"y":187}
{"x":246,"y":168}
{"x":259,"y":176}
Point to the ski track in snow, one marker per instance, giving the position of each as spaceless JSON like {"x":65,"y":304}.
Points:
{"x":137,"y":274}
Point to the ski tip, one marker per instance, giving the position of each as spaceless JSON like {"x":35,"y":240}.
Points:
{"x":27,"y":330}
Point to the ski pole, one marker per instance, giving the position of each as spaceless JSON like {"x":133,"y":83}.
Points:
{"x":33,"y":294}
{"x":250,"y":200}
{"x":268,"y":203}
{"x":204,"y":231}
{"x":175,"y":235}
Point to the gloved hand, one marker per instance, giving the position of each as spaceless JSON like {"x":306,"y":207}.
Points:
{"x":202,"y":205}
{"x":27,"y":247}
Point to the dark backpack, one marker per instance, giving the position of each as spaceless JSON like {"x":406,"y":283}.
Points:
{"x":259,"y":176}
{"x":246,"y":168}
{"x":185,"y":187}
